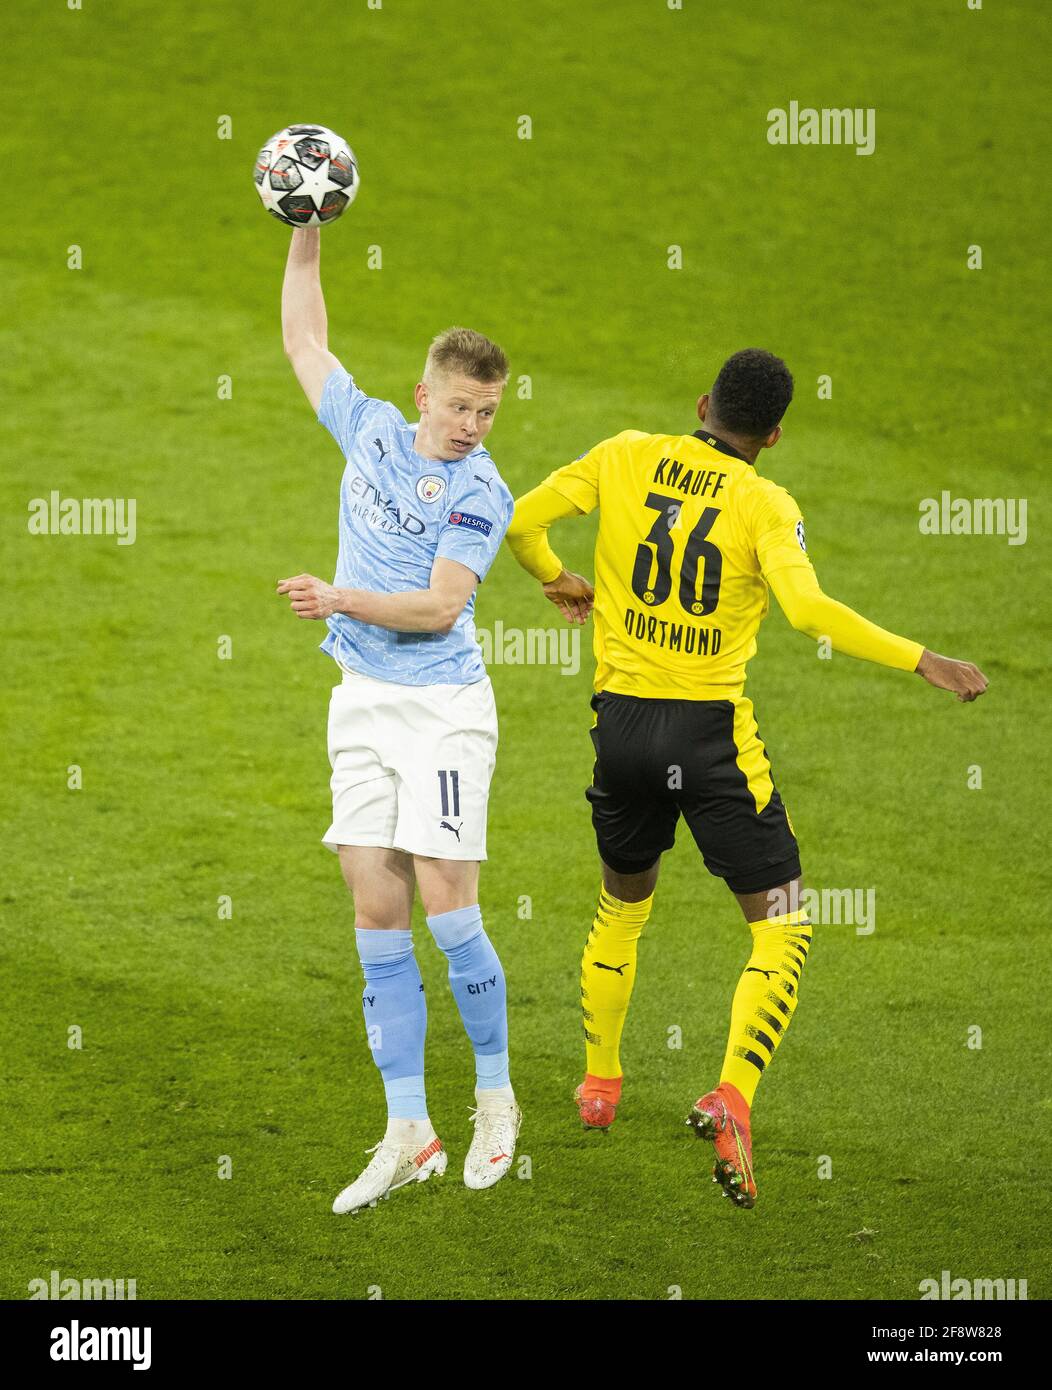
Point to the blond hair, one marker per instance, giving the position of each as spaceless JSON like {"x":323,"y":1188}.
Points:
{"x":467,"y":352}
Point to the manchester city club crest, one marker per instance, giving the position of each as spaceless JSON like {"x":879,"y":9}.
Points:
{"x":430,"y":488}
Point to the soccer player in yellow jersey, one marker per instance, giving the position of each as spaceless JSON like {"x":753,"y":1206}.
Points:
{"x":690,"y":538}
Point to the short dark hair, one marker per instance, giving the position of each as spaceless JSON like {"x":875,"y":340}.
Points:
{"x":752,"y":392}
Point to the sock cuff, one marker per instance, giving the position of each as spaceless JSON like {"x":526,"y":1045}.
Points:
{"x":605,"y":1087}
{"x":402,"y":1086}
{"x":406,"y":1098}
{"x":629,"y":912}
{"x":452,"y":929}
{"x":491,"y":1070}
{"x":799,"y":918}
{"x":379,"y":947}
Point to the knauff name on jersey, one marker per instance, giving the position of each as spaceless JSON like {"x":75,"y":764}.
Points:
{"x":695,"y":482}
{"x":674,"y":637}
{"x":381,"y":511}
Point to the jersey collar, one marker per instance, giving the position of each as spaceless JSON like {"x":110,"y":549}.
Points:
{"x":722,"y":445}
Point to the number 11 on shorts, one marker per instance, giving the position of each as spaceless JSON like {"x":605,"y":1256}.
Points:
{"x":446,"y":781}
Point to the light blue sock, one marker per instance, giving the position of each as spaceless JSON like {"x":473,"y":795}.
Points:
{"x":477,"y":981}
{"x":395,"y":1018}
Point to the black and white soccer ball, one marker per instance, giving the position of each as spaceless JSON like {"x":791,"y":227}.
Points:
{"x":306,"y":175}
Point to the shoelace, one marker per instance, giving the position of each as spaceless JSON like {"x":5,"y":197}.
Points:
{"x":491,"y":1122}
{"x":374,"y":1163}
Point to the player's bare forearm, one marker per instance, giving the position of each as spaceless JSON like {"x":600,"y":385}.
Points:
{"x":412,"y":610}
{"x":435,"y":609}
{"x":304,"y":324}
{"x":303,"y":316}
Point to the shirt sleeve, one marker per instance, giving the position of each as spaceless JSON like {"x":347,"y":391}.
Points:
{"x":528,"y":533}
{"x":578,"y":482}
{"x":811,"y":611}
{"x":779,"y":534}
{"x":344,"y":409}
{"x":475,"y":524}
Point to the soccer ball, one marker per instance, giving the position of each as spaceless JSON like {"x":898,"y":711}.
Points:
{"x":306,"y":175}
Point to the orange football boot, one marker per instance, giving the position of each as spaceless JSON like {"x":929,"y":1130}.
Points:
{"x":597,"y":1098}
{"x":723,"y":1117}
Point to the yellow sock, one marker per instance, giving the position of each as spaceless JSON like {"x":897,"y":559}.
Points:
{"x":608,"y":971}
{"x":765,"y":999}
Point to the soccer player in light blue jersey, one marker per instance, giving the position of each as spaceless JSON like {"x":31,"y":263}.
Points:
{"x":412,"y":724}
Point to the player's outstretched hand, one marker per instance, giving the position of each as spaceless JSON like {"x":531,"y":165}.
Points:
{"x":572,"y":595}
{"x":310,"y":597}
{"x":966,"y":681}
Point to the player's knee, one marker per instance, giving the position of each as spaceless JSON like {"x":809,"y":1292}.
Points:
{"x":633,"y":886}
{"x":447,"y":885}
{"x":449,"y":899}
{"x":378,"y":918}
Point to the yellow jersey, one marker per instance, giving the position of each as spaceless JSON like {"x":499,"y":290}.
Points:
{"x":688,"y":532}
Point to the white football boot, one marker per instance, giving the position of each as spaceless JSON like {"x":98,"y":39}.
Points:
{"x":493,"y":1146}
{"x":395,"y":1165}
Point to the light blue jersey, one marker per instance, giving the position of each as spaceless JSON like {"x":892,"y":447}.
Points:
{"x":398,"y":513}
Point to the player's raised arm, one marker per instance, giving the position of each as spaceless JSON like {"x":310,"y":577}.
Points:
{"x":304,"y":325}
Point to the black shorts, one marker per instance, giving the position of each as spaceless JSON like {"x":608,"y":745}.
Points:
{"x":658,"y":759}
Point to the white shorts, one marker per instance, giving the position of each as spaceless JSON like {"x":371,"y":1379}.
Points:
{"x":411,"y":766}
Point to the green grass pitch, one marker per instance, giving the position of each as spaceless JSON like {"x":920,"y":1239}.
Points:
{"x":204,"y":1036}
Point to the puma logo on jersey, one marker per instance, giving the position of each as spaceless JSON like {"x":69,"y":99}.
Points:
{"x":380,"y":445}
{"x":445,"y":825}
